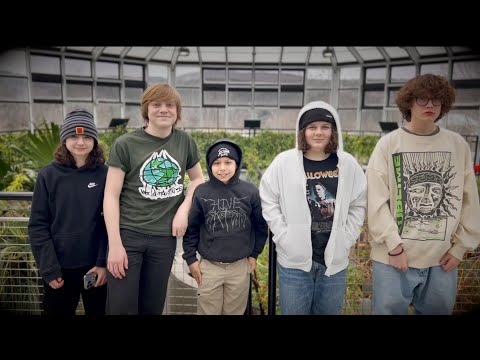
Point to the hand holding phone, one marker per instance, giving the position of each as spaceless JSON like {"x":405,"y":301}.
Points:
{"x":89,"y":280}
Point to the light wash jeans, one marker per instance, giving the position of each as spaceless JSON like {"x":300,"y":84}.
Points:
{"x":311,"y":293}
{"x":431,"y":291}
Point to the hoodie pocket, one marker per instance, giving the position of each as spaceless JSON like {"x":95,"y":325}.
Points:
{"x":292,"y":245}
{"x":341,"y":251}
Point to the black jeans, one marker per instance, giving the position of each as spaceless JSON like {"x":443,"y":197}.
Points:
{"x":144,"y":289}
{"x":64,"y":301}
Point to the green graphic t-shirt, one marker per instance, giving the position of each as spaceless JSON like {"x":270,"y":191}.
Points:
{"x":153,"y":187}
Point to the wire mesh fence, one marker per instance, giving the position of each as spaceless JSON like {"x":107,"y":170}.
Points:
{"x":21,"y":286}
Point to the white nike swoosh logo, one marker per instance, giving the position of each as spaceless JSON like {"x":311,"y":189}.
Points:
{"x":91,"y":185}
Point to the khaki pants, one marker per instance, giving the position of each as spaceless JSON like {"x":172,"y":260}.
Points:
{"x":224,"y":289}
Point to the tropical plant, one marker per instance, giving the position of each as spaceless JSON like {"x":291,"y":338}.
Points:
{"x":39,"y":147}
{"x":19,"y":279}
{"x":108,"y":138}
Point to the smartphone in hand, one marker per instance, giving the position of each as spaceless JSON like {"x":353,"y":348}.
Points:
{"x":89,"y":280}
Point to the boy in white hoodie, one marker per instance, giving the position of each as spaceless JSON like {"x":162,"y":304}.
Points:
{"x":312,"y":233}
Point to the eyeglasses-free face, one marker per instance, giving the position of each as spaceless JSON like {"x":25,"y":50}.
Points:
{"x":423,"y":101}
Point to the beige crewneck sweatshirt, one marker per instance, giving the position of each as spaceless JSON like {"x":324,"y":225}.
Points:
{"x":422,"y":193}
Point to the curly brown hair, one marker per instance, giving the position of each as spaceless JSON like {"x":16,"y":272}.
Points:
{"x":161,"y":92}
{"x":95,"y":159}
{"x":332,"y":146}
{"x":427,"y":85}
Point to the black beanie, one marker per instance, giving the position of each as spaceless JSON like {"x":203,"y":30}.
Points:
{"x":316,"y":114}
{"x":78,"y":122}
{"x":223,"y":150}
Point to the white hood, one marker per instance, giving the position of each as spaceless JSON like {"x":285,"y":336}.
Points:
{"x":322,"y":105}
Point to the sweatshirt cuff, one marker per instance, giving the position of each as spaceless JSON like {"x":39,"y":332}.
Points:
{"x":101,"y":262}
{"x":457,"y":251}
{"x":392,"y":243}
{"x":191,"y":260}
{"x":54,"y":275}
{"x":254,"y":255}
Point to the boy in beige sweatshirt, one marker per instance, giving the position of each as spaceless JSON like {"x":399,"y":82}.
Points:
{"x":423,"y":205}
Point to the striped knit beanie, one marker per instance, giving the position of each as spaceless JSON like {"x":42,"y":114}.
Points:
{"x":78,"y":122}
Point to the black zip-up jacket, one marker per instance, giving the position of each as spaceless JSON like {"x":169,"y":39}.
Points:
{"x":225,"y":222}
{"x":66,"y":226}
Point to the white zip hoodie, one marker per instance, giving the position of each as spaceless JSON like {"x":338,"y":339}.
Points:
{"x":285,"y":208}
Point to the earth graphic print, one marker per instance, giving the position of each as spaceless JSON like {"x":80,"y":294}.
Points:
{"x":160,"y":172}
{"x":160,"y":176}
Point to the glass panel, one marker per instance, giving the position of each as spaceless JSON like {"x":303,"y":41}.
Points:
{"x":463,"y":122}
{"x":392,"y":94}
{"x":132,"y":72}
{"x":268,"y":118}
{"x":437,"y":69}
{"x":287,"y":118}
{"x":12,"y":62}
{"x":267,"y":77}
{"x":214,"y":76}
{"x":291,"y":98}
{"x":396,"y":52}
{"x":139,"y":51}
{"x":237,"y":117}
{"x":211,"y":97}
{"x":267,"y":54}
{"x":319,"y":78}
{"x":240,"y":54}
{"x":343,"y":55}
{"x":157,"y":74}
{"x":349,"y":77}
{"x":187,"y":76}
{"x":375,"y":75}
{"x":190,"y":96}
{"x":316,"y":95}
{"x":213,"y":54}
{"x":236,"y":98}
{"x":108,"y":93}
{"x":348,"y":119}
{"x":13,"y":89}
{"x":79,"y":92}
{"x":370,"y":120}
{"x":105,"y":113}
{"x":15,"y":116}
{"x":291,"y":77}
{"x":402,"y":74}
{"x":374,"y":98}
{"x":77,"y":67}
{"x":45,"y":64}
{"x":431,"y":50}
{"x":133,"y":113}
{"x":466,"y":96}
{"x":266,"y":98}
{"x":466,"y":70}
{"x":369,"y":53}
{"x":395,"y":116}
{"x":294,"y":54}
{"x":49,"y":112}
{"x":213,"y":118}
{"x":133,"y":94}
{"x":106,"y":70}
{"x":47,"y":91}
{"x":237,"y":76}
{"x":191,"y":118}
{"x":348,"y":98}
